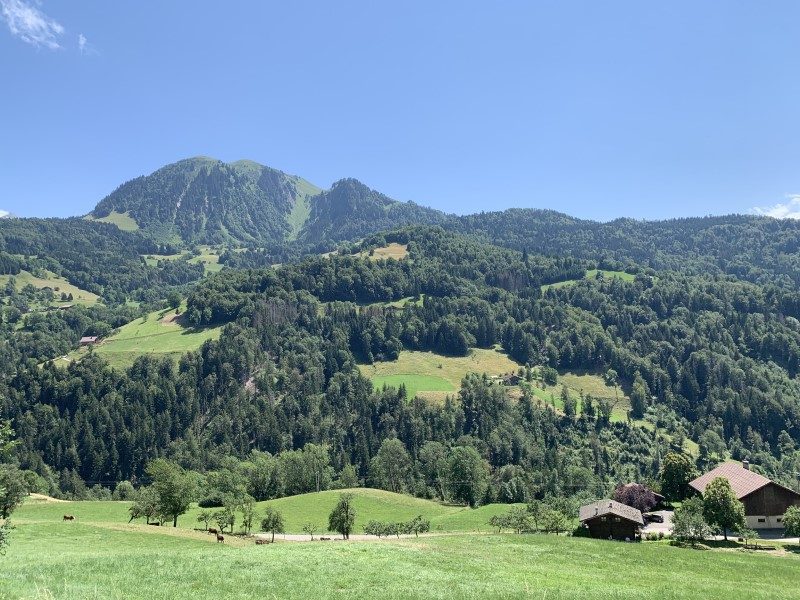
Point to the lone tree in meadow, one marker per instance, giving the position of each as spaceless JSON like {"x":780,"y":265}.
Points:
{"x":343,"y":516}
{"x":676,"y":473}
{"x":173,"y":486}
{"x":310,"y":528}
{"x":791,"y":521}
{"x":205,"y":517}
{"x":721,"y":507}
{"x":145,"y":504}
{"x":273,"y":522}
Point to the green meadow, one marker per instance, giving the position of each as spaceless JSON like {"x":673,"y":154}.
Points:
{"x":433,"y":376}
{"x":100,"y":556}
{"x":591,"y":274}
{"x":54,"y":282}
{"x":160,"y":333}
{"x":298,"y":510}
{"x":122,"y":220}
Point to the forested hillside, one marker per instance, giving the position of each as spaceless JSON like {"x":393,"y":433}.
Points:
{"x":702,"y":357}
{"x":754,"y":248}
{"x":282,"y":217}
{"x":350,"y":210}
{"x":202,"y":200}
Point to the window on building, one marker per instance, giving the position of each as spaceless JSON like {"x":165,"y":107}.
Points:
{"x":762,"y":520}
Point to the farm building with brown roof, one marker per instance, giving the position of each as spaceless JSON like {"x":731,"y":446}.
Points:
{"x":609,"y":519}
{"x":765,"y":501}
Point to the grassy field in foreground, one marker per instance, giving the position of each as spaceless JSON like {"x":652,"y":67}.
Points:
{"x":158,"y":333}
{"x":429,"y":374}
{"x":84,"y":560}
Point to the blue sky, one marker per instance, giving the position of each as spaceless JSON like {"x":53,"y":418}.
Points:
{"x":597,"y":109}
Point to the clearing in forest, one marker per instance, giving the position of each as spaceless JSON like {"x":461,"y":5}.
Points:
{"x":434,"y":376}
{"x":591,"y":274}
{"x":208,"y":257}
{"x":54,"y":282}
{"x":160,"y":333}
{"x":122,"y":220}
{"x":393,"y":250}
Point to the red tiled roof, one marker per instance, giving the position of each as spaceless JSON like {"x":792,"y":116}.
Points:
{"x":743,"y":481}
{"x":610,"y":507}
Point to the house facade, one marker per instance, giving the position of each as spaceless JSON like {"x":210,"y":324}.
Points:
{"x":765,"y":501}
{"x":607,"y":519}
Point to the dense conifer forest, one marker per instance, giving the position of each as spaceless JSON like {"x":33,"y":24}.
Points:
{"x":695,"y":321}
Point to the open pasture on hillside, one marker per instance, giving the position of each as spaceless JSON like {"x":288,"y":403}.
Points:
{"x":587,"y":383}
{"x":393,"y":250}
{"x":208,"y":257}
{"x":54,"y":282}
{"x":160,"y":332}
{"x":49,"y":558}
{"x":370,"y":504}
{"x":433,"y":376}
{"x":591,"y":274}
{"x":122,"y":220}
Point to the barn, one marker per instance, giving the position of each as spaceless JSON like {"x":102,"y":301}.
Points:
{"x":607,"y":519}
{"x":765,"y":501}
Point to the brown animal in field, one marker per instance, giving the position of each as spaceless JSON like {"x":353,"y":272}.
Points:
{"x":69,"y":517}
{"x":261,"y":541}
{"x":220,"y":538}
{"x":213,"y":530}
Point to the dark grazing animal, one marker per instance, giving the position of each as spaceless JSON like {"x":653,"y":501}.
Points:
{"x":220,"y":538}
{"x":213,"y":530}
{"x":69,"y":517}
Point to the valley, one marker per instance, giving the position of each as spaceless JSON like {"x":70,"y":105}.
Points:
{"x":220,"y":340}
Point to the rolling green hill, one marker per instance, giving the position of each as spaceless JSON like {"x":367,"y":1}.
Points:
{"x":96,"y":559}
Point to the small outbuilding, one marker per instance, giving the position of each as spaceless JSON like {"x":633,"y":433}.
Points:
{"x":89,"y":340}
{"x":765,"y":501}
{"x":607,"y":519}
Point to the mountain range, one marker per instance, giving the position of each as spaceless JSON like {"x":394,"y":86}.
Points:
{"x":203,"y":200}
{"x":206,"y":201}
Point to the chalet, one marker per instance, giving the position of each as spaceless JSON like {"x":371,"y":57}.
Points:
{"x":607,"y":519}
{"x":765,"y":501}
{"x":89,"y":340}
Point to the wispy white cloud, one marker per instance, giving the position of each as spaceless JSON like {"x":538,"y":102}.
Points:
{"x":31,"y":25}
{"x":4,"y":213}
{"x":783,"y":210}
{"x":85,"y":47}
